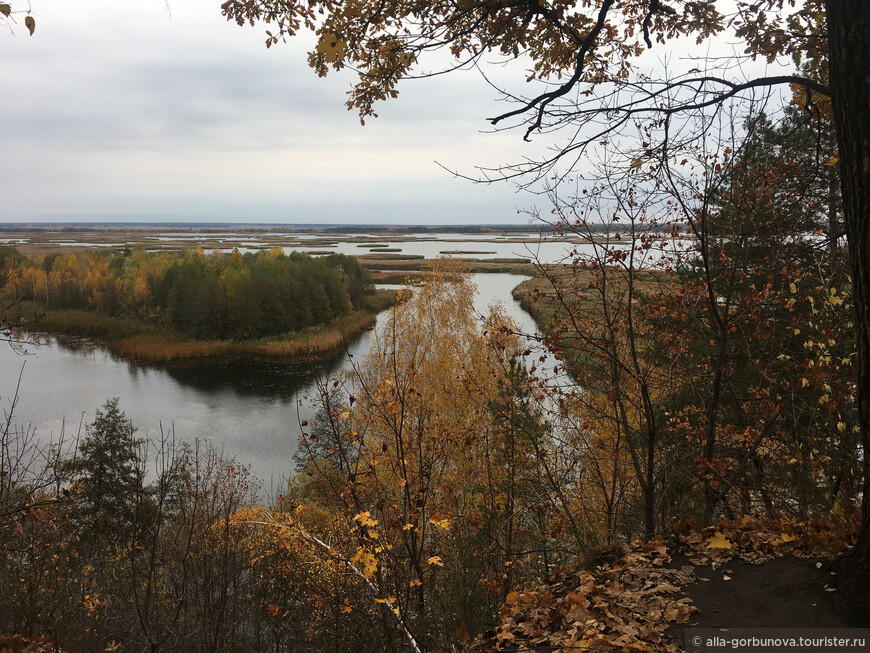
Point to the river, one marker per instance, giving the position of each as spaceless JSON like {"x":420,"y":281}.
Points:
{"x":248,"y":409}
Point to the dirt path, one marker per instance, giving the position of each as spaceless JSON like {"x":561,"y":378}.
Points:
{"x":783,"y":593}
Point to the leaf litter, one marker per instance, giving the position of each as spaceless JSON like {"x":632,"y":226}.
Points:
{"x":629,"y":604}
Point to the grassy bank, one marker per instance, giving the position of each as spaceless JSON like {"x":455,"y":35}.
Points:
{"x":536,"y":297}
{"x":145,"y":342}
{"x":154,"y":348}
{"x":580,"y":305}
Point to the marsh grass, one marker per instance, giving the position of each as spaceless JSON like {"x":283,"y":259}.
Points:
{"x":165,"y":349}
{"x":393,"y":264}
{"x":409,"y":277}
{"x":315,"y":340}
{"x":381,"y":299}
{"x":394,"y":257}
{"x":152,"y":343}
{"x":387,"y":270}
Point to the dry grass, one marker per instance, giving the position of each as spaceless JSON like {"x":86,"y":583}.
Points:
{"x":538,"y":295}
{"x":380,"y":300}
{"x":508,"y":265}
{"x":393,"y":264}
{"x":398,"y":277}
{"x":394,"y":257}
{"x":147,"y":343}
{"x":168,"y":348}
{"x":390,"y":270}
{"x":154,"y":348}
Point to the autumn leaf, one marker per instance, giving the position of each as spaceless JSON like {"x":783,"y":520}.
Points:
{"x":331,"y":47}
{"x":435,"y":560}
{"x":365,"y":519}
{"x":367,"y":560}
{"x":505,"y":636}
{"x":718,"y":541}
{"x":784,"y":538}
{"x":575,"y":598}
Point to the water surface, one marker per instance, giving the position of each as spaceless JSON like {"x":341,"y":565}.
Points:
{"x":249,"y":409}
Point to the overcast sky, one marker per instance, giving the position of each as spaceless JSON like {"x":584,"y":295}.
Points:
{"x":129,"y":110}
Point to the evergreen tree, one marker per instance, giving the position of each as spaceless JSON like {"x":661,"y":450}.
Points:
{"x":108,"y":472}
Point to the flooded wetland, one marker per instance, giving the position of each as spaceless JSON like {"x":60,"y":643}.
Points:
{"x":250,"y":408}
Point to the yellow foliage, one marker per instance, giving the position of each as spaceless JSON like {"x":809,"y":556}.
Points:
{"x":366,"y":561}
{"x":365,"y":519}
{"x":718,"y":541}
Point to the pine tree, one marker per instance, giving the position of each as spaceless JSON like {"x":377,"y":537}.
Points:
{"x":109,"y":473}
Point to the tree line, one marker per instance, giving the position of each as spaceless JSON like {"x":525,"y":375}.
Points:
{"x":199,"y":295}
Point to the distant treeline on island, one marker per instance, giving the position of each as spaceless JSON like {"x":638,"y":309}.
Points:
{"x":202,"y":296}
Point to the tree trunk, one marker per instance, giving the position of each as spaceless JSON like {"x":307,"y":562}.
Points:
{"x":849,"y":48}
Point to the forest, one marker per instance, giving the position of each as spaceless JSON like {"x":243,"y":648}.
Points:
{"x":696,"y":395}
{"x":197,"y":295}
{"x":711,"y":403}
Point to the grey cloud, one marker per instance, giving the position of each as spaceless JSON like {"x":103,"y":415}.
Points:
{"x":193,"y":117}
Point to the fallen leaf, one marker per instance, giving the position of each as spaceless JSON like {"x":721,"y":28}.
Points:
{"x":718,"y":541}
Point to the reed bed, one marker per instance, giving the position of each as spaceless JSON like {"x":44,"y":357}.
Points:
{"x":394,"y":257}
{"x":171,"y":349}
{"x":409,"y":278}
{"x":382,"y":299}
{"x":392,"y":264}
{"x":165,"y":349}
{"x":388,"y":268}
{"x":511,"y":266}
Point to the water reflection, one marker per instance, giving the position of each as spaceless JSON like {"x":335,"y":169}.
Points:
{"x":249,"y":408}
